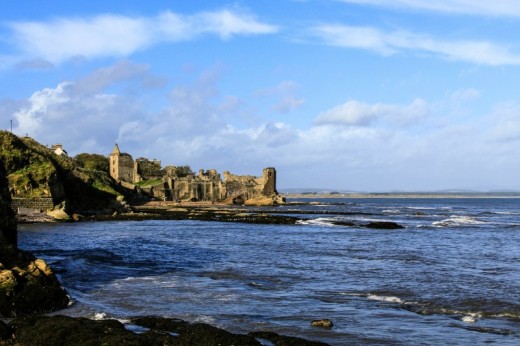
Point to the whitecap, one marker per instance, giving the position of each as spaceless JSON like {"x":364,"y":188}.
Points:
{"x":470,"y":318}
{"x":391,"y":211}
{"x":316,"y":222}
{"x":388,"y":299}
{"x":458,"y":220}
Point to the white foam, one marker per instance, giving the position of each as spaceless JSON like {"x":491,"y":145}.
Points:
{"x":471,"y":318}
{"x":457,"y":220}
{"x":388,"y":299}
{"x":391,"y":211}
{"x":316,"y":222}
{"x":98,"y":316}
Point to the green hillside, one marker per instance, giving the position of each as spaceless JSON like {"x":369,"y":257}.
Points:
{"x":33,"y":170}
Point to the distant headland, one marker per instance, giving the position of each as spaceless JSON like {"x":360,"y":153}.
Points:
{"x":44,"y":182}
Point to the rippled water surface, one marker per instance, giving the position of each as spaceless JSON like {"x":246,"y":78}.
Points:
{"x":451,"y":276}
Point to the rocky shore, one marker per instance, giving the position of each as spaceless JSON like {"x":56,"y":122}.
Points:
{"x":146,"y":331}
{"x":29,"y":288}
{"x":219,"y":213}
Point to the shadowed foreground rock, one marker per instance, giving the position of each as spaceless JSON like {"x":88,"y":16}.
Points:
{"x":27,"y":285}
{"x":64,"y":331}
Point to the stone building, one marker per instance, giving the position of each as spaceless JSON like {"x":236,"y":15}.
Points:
{"x":165,"y":184}
{"x":121,"y":165}
{"x":145,"y":169}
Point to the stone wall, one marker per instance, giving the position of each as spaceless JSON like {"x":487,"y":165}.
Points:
{"x":145,"y":169}
{"x":40,"y":204}
{"x":248,"y":186}
{"x":189,"y":188}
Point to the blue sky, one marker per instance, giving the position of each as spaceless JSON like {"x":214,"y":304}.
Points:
{"x":361,"y":95}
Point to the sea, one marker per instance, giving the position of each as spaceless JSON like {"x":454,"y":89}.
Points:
{"x":451,"y":276}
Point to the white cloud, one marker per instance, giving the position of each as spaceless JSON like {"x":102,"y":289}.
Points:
{"x":115,"y":35}
{"x":390,"y":43}
{"x":355,"y":145}
{"x":464,"y":95}
{"x":32,"y":117}
{"x":355,"y":113}
{"x":286,"y":93}
{"x":502,"y":8}
{"x":82,"y":111}
{"x":505,"y":125}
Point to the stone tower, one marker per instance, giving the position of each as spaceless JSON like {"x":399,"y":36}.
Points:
{"x":269,"y":177}
{"x":121,"y":165}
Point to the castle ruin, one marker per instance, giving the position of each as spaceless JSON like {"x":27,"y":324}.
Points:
{"x":167,"y":184}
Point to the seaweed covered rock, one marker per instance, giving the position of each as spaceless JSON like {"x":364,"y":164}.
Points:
{"x":64,"y":330}
{"x":196,"y":333}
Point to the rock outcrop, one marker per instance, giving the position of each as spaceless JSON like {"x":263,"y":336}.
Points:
{"x":27,"y":284}
{"x":7,"y":219}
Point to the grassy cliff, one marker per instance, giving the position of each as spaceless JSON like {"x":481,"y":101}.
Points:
{"x":33,"y":170}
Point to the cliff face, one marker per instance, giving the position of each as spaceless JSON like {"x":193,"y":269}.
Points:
{"x":27,"y":284}
{"x":34,"y":171}
{"x":7,"y":219}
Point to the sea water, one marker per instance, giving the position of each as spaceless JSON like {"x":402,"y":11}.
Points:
{"x":451,"y":276}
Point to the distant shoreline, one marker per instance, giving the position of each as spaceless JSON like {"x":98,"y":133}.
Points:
{"x":403,"y":195}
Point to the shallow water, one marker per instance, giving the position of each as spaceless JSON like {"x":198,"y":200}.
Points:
{"x":451,"y":276}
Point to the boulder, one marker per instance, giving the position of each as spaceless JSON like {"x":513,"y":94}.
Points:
{"x":28,"y":285}
{"x":323,"y":323}
{"x":383,"y":225}
{"x":260,"y":202}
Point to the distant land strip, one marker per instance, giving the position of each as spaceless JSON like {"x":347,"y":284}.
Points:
{"x":403,"y":195}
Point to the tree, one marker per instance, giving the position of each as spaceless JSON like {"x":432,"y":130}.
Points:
{"x":183,"y":171}
{"x":95,"y":162}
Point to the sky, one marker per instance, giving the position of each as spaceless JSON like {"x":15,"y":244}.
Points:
{"x":350,"y":95}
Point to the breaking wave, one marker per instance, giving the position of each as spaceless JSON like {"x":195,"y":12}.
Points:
{"x":458,"y":220}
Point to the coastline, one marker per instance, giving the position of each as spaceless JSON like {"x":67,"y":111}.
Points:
{"x":411,"y":195}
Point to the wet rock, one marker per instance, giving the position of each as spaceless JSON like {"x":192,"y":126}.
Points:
{"x":64,"y":330}
{"x":343,"y":223}
{"x":195,"y":334}
{"x":5,"y":332}
{"x":282,"y":340}
{"x":383,"y":225}
{"x":323,"y":323}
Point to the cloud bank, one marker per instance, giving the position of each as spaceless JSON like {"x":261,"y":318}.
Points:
{"x":354,"y":145}
{"x":117,"y":36}
{"x":402,"y":42}
{"x":501,"y":8}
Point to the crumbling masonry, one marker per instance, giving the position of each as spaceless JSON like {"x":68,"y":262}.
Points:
{"x":205,"y":186}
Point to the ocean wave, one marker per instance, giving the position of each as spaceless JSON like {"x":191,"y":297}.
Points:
{"x":458,"y":220}
{"x":391,"y":211}
{"x":321,"y":221}
{"x":388,"y":299}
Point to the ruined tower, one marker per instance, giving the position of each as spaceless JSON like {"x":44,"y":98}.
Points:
{"x":269,"y":177}
{"x":121,"y":165}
